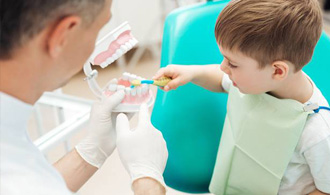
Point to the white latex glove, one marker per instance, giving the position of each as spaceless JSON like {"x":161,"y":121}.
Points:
{"x":101,"y":139}
{"x":143,"y":151}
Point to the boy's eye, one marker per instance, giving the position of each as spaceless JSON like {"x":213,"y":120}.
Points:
{"x":231,"y":66}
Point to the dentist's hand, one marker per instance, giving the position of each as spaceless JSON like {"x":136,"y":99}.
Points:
{"x":101,"y":139}
{"x":180,"y":75}
{"x":142,"y":151}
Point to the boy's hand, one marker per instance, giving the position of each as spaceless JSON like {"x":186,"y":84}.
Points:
{"x":180,"y":75}
{"x":206,"y":76}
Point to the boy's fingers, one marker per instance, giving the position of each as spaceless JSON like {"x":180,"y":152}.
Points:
{"x":159,"y":73}
{"x":166,"y":88}
{"x":168,"y":71}
{"x":172,"y":84}
{"x":113,"y":81}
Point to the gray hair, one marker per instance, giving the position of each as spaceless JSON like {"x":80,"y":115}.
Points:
{"x":21,"y":20}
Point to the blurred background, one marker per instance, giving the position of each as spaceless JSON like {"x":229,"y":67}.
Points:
{"x":54,"y":117}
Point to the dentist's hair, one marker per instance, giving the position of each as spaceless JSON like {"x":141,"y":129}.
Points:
{"x":270,"y":30}
{"x":21,"y":20}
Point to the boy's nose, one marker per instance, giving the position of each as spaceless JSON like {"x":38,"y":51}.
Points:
{"x":224,"y":68}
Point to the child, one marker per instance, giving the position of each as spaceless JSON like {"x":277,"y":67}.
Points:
{"x":265,"y":44}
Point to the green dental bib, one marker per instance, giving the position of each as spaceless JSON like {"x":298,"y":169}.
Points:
{"x":258,"y":140}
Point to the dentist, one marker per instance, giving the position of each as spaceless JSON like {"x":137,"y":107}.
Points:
{"x":42,"y":45}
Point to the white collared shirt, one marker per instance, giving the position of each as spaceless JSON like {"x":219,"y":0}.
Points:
{"x":24,"y":170}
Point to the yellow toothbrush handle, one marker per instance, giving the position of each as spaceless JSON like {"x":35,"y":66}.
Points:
{"x":162,"y":82}
{"x":136,"y":83}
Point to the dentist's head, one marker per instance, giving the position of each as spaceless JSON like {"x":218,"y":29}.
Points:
{"x":44,"y":43}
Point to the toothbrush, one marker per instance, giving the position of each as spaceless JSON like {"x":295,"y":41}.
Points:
{"x":161,"y":82}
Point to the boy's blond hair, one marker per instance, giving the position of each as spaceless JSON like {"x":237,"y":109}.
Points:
{"x":270,"y":30}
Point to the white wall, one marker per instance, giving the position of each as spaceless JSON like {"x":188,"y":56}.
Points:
{"x":144,"y":16}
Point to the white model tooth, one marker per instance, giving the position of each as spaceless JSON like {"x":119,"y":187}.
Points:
{"x":115,"y":56}
{"x":144,"y":89}
{"x":114,"y":81}
{"x":139,"y":91}
{"x":119,"y":52}
{"x":124,"y":51}
{"x":125,"y":77}
{"x":112,"y":87}
{"x":110,"y":60}
{"x":128,"y":45}
{"x":128,"y":90}
{"x":134,"y":76}
{"x":120,"y":87}
{"x":139,"y":78}
{"x":133,"y":42}
{"x":104,"y":64}
{"x":124,"y":48}
{"x":133,"y":92}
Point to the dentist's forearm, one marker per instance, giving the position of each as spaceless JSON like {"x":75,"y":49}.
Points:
{"x":148,"y":186}
{"x":209,"y":77}
{"x":75,"y":170}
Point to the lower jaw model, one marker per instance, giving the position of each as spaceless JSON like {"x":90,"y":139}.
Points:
{"x":107,"y":50}
{"x":134,"y":97}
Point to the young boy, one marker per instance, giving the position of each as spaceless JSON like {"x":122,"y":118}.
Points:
{"x":265,"y":44}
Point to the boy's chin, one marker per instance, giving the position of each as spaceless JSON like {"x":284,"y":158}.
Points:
{"x":249,"y":92}
{"x":243,"y":91}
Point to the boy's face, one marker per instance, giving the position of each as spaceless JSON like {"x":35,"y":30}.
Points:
{"x":245,"y":73}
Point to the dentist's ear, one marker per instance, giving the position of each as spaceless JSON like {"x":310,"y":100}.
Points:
{"x":60,"y":33}
{"x":280,"y":70}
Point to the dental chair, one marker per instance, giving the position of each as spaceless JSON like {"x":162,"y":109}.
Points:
{"x":191,"y":118}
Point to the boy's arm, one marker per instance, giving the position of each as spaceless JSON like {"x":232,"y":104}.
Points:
{"x":318,"y":158}
{"x":209,"y":77}
{"x":206,"y":76}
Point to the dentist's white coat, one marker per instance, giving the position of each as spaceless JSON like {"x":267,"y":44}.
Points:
{"x":24,"y":170}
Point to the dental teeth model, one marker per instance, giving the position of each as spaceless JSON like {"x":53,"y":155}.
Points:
{"x":107,"y":50}
{"x":133,"y":97}
{"x":113,"y":46}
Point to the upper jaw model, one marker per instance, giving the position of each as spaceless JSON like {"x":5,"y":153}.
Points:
{"x":107,"y":50}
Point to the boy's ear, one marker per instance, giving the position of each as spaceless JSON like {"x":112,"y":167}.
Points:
{"x":280,"y":70}
{"x":60,"y":34}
